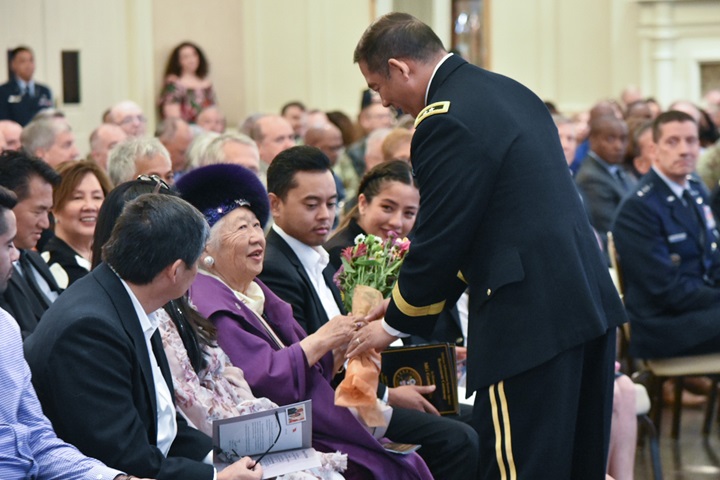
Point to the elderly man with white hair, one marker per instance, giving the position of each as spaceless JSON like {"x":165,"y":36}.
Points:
{"x":102,"y":139}
{"x":51,"y":140}
{"x":129,"y":116}
{"x":139,"y":156}
{"x":233,"y":148}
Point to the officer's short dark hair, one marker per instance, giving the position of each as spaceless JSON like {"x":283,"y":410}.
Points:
{"x":152,"y":233}
{"x":396,"y":35}
{"x":18,"y":167}
{"x":19,"y":49}
{"x":668,"y":117}
{"x":282,"y":170}
{"x":8,"y":200}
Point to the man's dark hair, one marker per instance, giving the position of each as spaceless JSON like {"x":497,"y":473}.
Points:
{"x":19,"y":49}
{"x":8,"y":200}
{"x":152,"y":232}
{"x":396,"y":35}
{"x":668,"y":117}
{"x":18,"y":167}
{"x":282,"y":170}
{"x":297,"y":104}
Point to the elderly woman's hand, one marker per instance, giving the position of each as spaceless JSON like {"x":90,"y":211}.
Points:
{"x":334,"y":334}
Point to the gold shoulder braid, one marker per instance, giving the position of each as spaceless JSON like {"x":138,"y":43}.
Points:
{"x":432,"y":109}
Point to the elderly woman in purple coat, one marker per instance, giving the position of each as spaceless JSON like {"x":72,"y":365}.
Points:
{"x":258,"y":332}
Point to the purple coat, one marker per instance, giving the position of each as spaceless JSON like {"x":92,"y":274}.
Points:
{"x":282,"y":375}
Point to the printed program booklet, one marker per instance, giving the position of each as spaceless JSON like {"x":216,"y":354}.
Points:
{"x":254,"y":434}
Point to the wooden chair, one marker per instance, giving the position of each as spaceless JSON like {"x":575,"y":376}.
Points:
{"x":676,"y":368}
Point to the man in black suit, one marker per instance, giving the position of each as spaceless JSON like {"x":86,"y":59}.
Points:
{"x":602,"y":178}
{"x":32,"y":288}
{"x":296,"y":267}
{"x":97,"y":359}
{"x":21,"y":98}
{"x":500,"y":216}
{"x":667,"y":240}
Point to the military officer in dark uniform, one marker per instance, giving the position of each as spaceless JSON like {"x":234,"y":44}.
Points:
{"x":499,"y":215}
{"x":667,"y":241}
{"x":21,"y":98}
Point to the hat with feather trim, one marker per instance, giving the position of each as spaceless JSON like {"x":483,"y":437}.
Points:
{"x":217,"y":190}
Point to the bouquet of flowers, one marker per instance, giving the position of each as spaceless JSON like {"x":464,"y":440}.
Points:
{"x":368,"y":272}
{"x":371,"y":262}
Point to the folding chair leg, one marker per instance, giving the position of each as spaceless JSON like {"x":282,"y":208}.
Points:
{"x":677,"y":408}
{"x":710,"y":410}
{"x":657,"y":402}
{"x":647,"y":426}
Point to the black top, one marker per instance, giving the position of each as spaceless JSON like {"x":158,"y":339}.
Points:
{"x":64,"y":261}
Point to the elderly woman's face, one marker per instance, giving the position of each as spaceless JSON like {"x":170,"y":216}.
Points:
{"x":237,"y":243}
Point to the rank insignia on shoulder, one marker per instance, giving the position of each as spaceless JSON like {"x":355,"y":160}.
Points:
{"x":432,"y":109}
{"x":644,"y":190}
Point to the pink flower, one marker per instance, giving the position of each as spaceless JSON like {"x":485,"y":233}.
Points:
{"x":347,"y":253}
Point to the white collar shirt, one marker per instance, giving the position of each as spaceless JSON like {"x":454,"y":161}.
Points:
{"x":427,"y":90}
{"x":314,"y":260}
{"x":166,"y":421}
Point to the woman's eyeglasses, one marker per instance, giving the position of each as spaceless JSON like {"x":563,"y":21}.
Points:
{"x":159,"y":182}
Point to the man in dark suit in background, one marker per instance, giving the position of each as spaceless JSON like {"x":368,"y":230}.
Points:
{"x":602,"y":178}
{"x":32,"y":288}
{"x":302,"y":201}
{"x":499,"y":215}
{"x":97,"y":359}
{"x":21,"y":98}
{"x":667,"y":241}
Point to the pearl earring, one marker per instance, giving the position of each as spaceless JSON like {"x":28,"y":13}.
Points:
{"x":209,"y":261}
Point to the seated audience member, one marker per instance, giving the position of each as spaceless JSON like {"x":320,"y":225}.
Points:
{"x":129,"y":116}
{"x":29,"y":446}
{"x":175,"y":135}
{"x":396,"y":145}
{"x":328,"y":139}
{"x":643,"y":150}
{"x":568,"y":137}
{"x":601,"y":178}
{"x":234,"y":148}
{"x":188,"y":88}
{"x":197,"y":148}
{"x":211,"y":119}
{"x":76,"y":204}
{"x":207,"y":386}
{"x":344,"y":167}
{"x":603,"y":108}
{"x":257,"y":330}
{"x":302,"y":197}
{"x":51,"y":140}
{"x":102,"y":140}
{"x":33,"y":288}
{"x":373,"y":148}
{"x":373,"y":116}
{"x":296,"y":115}
{"x":388,"y":204}
{"x":11,"y":131}
{"x":667,"y":239}
{"x":139,"y":156}
{"x":272,"y":134}
{"x":103,"y":329}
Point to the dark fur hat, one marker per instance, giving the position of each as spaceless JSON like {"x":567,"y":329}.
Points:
{"x":216,"y":190}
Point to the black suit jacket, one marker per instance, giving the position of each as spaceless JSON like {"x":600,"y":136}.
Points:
{"x":286,"y":277}
{"x":499,"y":215}
{"x":602,"y":193}
{"x":16,"y":299}
{"x":92,"y":374}
{"x":22,"y":108}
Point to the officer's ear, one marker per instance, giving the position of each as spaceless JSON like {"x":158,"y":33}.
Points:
{"x":399,"y":66}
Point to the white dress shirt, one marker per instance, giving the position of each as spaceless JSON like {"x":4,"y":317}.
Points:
{"x":166,"y":421}
{"x":314,"y":260}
